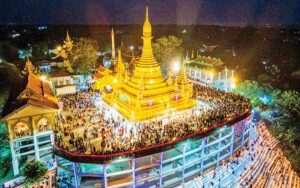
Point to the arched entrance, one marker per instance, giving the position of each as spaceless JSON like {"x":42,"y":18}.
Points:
{"x":21,"y":129}
{"x":44,"y":125}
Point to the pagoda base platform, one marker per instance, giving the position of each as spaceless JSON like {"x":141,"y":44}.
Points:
{"x":147,"y":112}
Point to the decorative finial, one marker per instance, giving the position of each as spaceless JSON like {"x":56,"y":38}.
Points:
{"x":147,"y":13}
{"x":147,"y":30}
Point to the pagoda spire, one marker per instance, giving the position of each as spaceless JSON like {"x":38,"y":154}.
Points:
{"x":120,"y":68}
{"x":68,"y":43}
{"x":113,"y":50}
{"x":29,"y":68}
{"x":147,"y":29}
{"x":182,"y":78}
{"x":184,"y":85}
{"x":68,"y":36}
{"x":147,"y":58}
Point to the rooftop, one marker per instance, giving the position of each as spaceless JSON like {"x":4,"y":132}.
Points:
{"x":31,"y":90}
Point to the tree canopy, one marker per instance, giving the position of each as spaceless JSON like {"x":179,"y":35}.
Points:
{"x":34,"y":171}
{"x":283,"y":114}
{"x":252,"y":90}
{"x":40,"y":51}
{"x":10,"y":74}
{"x":8,"y":51}
{"x":84,"y":55}
{"x":165,"y":49}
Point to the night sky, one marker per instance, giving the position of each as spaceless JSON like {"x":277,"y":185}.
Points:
{"x":206,"y":12}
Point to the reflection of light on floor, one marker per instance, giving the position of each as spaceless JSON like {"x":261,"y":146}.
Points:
{"x":120,"y":122}
{"x":171,"y":115}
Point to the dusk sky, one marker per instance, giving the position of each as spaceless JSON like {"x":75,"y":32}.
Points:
{"x":206,"y":12}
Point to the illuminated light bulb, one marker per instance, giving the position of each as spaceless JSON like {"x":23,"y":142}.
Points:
{"x":176,"y":65}
{"x":232,"y":85}
{"x":43,"y":77}
{"x":59,"y":48}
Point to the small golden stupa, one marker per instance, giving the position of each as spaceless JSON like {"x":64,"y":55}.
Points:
{"x":146,"y":93}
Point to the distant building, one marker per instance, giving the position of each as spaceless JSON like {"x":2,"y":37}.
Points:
{"x":44,"y":66}
{"x":66,"y":82}
{"x":210,"y":71}
{"x":62,"y":78}
{"x":30,"y":115}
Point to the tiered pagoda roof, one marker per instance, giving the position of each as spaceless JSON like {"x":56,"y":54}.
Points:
{"x":146,"y":94}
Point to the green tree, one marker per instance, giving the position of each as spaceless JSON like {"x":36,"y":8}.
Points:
{"x":165,"y":49}
{"x":288,"y":103}
{"x":84,"y":55}
{"x":33,"y":172}
{"x":5,"y":159}
{"x":252,"y":90}
{"x":284,"y":127}
{"x":9,"y":74}
{"x":296,"y":74}
{"x":8,"y":51}
{"x":264,"y":78}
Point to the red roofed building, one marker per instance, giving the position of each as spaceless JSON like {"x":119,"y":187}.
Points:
{"x":30,"y":115}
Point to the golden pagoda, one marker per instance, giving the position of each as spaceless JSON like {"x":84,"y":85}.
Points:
{"x":146,"y":93}
{"x":120,"y":67}
{"x":68,"y":43}
{"x":29,"y":68}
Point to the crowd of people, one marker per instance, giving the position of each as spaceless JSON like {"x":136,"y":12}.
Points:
{"x":87,"y":125}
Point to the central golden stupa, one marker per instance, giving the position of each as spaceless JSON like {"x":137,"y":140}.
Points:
{"x":147,"y":94}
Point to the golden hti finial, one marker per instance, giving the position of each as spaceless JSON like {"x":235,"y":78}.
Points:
{"x":147,"y":30}
{"x":147,"y":13}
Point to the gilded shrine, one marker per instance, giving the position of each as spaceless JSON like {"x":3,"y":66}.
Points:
{"x":147,"y":93}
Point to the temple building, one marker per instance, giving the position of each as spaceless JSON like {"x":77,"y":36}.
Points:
{"x":60,"y":73}
{"x":30,"y":116}
{"x":210,"y":71}
{"x":29,"y":68}
{"x":146,"y":93}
